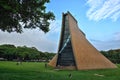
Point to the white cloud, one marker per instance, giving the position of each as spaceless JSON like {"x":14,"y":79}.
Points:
{"x":34,"y":38}
{"x":106,"y":45}
{"x":117,"y":36}
{"x":55,"y":26}
{"x":113,"y":43}
{"x":102,"y":9}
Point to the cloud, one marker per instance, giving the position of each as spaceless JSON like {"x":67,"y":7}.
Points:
{"x":107,"y":45}
{"x":113,"y":43}
{"x":102,"y":9}
{"x":34,"y":38}
{"x":117,"y":36}
{"x":95,"y":40}
{"x":55,"y":26}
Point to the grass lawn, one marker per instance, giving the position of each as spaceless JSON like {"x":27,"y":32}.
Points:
{"x":37,"y":71}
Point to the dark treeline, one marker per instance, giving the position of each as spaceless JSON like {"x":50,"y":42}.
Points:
{"x":11,"y":52}
{"x":112,"y":55}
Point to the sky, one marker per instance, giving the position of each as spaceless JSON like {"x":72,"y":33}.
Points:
{"x":98,"y":19}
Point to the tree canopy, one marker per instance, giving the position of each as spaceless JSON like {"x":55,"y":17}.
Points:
{"x":15,"y":15}
{"x":11,"y":52}
{"x":113,"y":55}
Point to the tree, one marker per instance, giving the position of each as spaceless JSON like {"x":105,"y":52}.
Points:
{"x":7,"y":51}
{"x":11,"y":52}
{"x":18,"y":14}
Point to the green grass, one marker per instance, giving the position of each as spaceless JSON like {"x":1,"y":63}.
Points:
{"x":37,"y":71}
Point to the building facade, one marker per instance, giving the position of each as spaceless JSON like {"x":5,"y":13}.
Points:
{"x":75,"y":51}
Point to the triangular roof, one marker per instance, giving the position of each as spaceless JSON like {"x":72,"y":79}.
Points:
{"x":85,"y":55}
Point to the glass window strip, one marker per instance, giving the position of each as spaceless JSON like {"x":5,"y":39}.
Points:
{"x":66,"y":42}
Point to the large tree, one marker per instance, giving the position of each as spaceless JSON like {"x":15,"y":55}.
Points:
{"x":18,"y":14}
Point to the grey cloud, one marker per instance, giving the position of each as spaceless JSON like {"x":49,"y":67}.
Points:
{"x":106,"y":45}
{"x":95,"y":40}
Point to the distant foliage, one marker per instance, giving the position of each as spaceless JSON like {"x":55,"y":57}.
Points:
{"x":11,"y":52}
{"x":113,"y":55}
